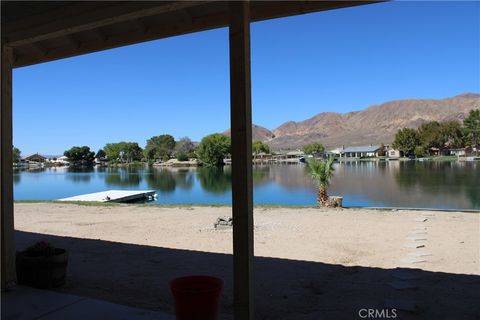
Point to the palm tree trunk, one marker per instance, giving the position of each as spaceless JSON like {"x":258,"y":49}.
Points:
{"x":322,"y":198}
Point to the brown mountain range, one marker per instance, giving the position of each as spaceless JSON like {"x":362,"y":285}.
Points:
{"x":375,"y":125}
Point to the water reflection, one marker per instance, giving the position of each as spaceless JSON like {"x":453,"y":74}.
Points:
{"x":184,"y":178}
{"x":122,"y":177}
{"x":78,"y":175}
{"x":161,"y":179}
{"x":17,"y":176}
{"x":448,"y":178}
{"x":393,"y":184}
{"x":215,"y":180}
{"x":261,"y":174}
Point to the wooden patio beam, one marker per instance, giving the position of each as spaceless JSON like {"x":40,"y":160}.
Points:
{"x":241,"y":133}
{"x":48,"y":27}
{"x":6,"y":173}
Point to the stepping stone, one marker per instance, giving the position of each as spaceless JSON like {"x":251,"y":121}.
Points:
{"x":414,"y":245}
{"x":417,"y":238}
{"x":421,"y":219}
{"x":419,"y":254}
{"x":401,"y":304}
{"x":420,"y":228}
{"x":401,"y":285}
{"x":405,"y":274}
{"x":418,"y":233}
{"x":413,"y":260}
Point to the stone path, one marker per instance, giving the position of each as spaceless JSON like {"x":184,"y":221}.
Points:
{"x":406,"y":278}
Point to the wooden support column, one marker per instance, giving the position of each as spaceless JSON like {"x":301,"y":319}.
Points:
{"x":241,"y":133}
{"x":6,"y":172}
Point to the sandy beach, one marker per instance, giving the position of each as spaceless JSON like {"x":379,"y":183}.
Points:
{"x":310,"y":263}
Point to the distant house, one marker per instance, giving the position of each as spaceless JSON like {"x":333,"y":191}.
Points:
{"x":460,"y":152}
{"x":62,"y":160}
{"x":394,"y":153}
{"x":290,"y":157}
{"x":361,"y":152}
{"x":100,"y":161}
{"x":36,"y":158}
{"x":434,"y":151}
{"x":336,"y":152}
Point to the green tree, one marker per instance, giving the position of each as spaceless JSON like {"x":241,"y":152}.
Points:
{"x":322,"y":172}
{"x":133,"y":152}
{"x":213,"y":149}
{"x":406,"y":140}
{"x":258,"y":147}
{"x":16,"y":155}
{"x":453,"y":134}
{"x":432,"y":135}
{"x":313,"y":148}
{"x":160,"y":147}
{"x":184,"y":148}
{"x":472,"y":127}
{"x":80,"y":155}
{"x":100,"y":154}
{"x":420,"y":151}
{"x":123,"y":151}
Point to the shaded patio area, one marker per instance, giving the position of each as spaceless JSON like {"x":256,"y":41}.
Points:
{"x":284,"y":289}
{"x":49,"y":305}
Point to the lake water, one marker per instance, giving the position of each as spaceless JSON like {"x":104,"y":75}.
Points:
{"x":445,"y":185}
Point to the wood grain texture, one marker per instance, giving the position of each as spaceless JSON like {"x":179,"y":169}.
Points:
{"x":241,"y":134}
{"x":6,"y":173}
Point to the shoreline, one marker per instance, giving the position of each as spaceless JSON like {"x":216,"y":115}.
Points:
{"x":220,"y":205}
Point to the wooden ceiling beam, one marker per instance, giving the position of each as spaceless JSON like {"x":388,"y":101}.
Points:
{"x":142,"y":27}
{"x":39,"y":49}
{"x":73,"y":41}
{"x":126,"y":38}
{"x":185,"y":16}
{"x":260,"y":10}
{"x":99,"y":35}
{"x":93,"y":19}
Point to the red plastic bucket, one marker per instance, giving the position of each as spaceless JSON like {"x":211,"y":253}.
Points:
{"x":196,"y":297}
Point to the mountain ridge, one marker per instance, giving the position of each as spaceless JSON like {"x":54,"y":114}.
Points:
{"x":375,"y":124}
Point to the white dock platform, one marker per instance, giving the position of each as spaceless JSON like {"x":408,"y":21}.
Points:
{"x":113,"y":196}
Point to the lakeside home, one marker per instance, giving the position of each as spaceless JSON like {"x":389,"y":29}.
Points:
{"x":394,"y":153}
{"x":295,"y":156}
{"x":36,"y":158}
{"x":361,"y":152}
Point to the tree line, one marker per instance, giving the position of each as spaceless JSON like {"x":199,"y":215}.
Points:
{"x":210,"y":151}
{"x":440,"y":135}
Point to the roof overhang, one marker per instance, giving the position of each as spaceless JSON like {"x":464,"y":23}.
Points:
{"x":41,"y":31}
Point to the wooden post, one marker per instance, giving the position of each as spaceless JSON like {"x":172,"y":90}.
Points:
{"x":241,"y":133}
{"x":6,"y":172}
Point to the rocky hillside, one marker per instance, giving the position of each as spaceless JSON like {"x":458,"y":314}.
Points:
{"x":374,"y":125}
{"x":258,"y":133}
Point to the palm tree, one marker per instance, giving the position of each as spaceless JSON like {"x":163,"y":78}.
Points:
{"x":322,"y":172}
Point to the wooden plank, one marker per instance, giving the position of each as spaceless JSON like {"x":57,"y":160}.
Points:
{"x":71,"y":22}
{"x":6,"y":172}
{"x":241,"y":134}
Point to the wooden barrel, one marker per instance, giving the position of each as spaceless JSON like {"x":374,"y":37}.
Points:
{"x":42,"y":272}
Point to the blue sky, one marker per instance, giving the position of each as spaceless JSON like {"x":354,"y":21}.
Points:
{"x":341,"y":60}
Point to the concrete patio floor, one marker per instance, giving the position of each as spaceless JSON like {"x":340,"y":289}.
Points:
{"x":24,"y":303}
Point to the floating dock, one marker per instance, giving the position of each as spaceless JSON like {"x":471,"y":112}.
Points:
{"x":114,"y":196}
